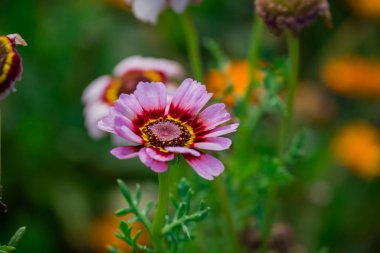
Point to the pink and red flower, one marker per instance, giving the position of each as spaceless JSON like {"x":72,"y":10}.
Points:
{"x":101,"y":94}
{"x":10,"y":62}
{"x":161,"y":128}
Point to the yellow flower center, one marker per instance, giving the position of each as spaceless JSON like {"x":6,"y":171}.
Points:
{"x":128,"y":82}
{"x":6,"y":57}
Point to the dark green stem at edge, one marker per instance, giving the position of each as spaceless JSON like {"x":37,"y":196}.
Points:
{"x":226,"y":209}
{"x":248,"y":122}
{"x":253,"y":55}
{"x":192,"y":41}
{"x":0,"y":155}
{"x":3,"y":207}
{"x":294,"y":55}
{"x":293,"y":51}
{"x":164,"y":185}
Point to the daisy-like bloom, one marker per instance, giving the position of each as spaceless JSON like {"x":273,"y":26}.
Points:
{"x":357,"y":147}
{"x":10,"y":62}
{"x":101,"y":94}
{"x":236,"y":74}
{"x":161,"y":128}
{"x":294,"y":15}
{"x":366,"y":8}
{"x":148,"y":10}
{"x":353,"y":76}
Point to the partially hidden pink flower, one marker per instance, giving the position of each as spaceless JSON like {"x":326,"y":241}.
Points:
{"x":161,"y":128}
{"x":10,"y":62}
{"x":148,"y":10}
{"x":101,"y":94}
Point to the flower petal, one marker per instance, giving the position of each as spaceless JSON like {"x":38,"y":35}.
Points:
{"x":189,"y":99}
{"x":152,"y":98}
{"x":183,"y":150}
{"x":125,"y":152}
{"x":211,"y":117}
{"x":147,"y":10}
{"x":205,"y":165}
{"x":93,"y":113}
{"x":95,"y":90}
{"x":154,"y":165}
{"x":129,"y":106}
{"x":179,"y":5}
{"x":122,"y":129}
{"x":167,"y":67}
{"x":158,"y":155}
{"x":214,"y":143}
{"x":108,"y":122}
{"x":222,"y":130}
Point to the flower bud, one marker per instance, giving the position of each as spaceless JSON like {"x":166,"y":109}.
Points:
{"x":10,"y":62}
{"x":294,"y":15}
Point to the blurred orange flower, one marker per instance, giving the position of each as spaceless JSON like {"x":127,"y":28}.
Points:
{"x":313,"y":104}
{"x":357,"y":147}
{"x":366,"y":8}
{"x":237,"y":74}
{"x":353,"y":76}
{"x":102,"y":234}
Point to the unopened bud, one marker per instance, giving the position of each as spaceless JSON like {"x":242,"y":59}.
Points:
{"x":294,"y":15}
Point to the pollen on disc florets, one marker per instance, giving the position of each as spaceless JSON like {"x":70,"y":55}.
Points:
{"x":167,"y":132}
{"x":294,"y":15}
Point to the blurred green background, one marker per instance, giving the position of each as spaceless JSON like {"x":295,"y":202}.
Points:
{"x":57,"y":180}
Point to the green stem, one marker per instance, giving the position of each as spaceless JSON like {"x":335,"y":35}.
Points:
{"x":253,"y":55}
{"x":226,"y":209}
{"x":268,"y":216}
{"x":256,"y":38}
{"x":192,"y":46}
{"x":0,"y":154}
{"x":164,"y":182}
{"x":294,"y":54}
{"x":3,"y":207}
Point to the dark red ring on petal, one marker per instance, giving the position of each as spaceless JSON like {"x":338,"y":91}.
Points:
{"x":14,"y":72}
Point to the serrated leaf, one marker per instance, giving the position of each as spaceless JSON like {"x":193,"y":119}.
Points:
{"x":125,"y":228}
{"x":186,"y":231}
{"x":173,"y":201}
{"x":125,"y":191}
{"x":147,"y":208}
{"x":15,"y":240}
{"x":124,"y":211}
{"x":132,"y":220}
{"x":6,"y":249}
{"x":138,"y":233}
{"x":181,"y":211}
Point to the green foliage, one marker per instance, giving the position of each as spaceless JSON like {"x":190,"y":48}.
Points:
{"x":13,"y":242}
{"x":177,"y":229}
{"x":296,"y":149}
{"x":142,"y":216}
{"x":180,"y":227}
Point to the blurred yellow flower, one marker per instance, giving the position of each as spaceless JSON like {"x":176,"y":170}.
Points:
{"x":102,"y":234}
{"x":237,"y":74}
{"x":353,"y":76}
{"x":366,"y":8}
{"x":357,"y":147}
